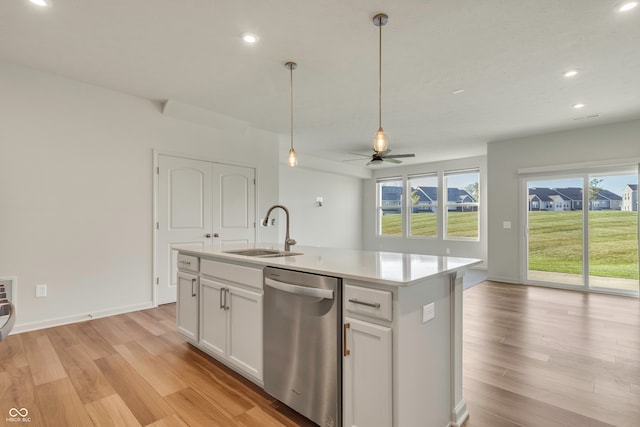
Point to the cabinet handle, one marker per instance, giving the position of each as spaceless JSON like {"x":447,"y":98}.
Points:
{"x":193,"y":289}
{"x":185,"y":262}
{"x":368,"y":304}
{"x":226,"y":292}
{"x":221,"y":294}
{"x":344,"y":334}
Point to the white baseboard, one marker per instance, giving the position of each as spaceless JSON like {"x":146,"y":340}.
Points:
{"x":50,"y":323}
{"x":460,"y":414}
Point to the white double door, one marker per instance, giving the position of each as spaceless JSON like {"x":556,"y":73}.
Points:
{"x":200,"y":203}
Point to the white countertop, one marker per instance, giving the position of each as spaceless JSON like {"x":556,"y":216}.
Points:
{"x":387,"y":268}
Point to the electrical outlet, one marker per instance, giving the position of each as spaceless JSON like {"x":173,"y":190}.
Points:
{"x":506,"y":225}
{"x":447,"y":251}
{"x":428,"y":312}
{"x":41,"y":291}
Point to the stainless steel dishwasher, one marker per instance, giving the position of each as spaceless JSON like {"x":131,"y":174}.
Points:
{"x":302,"y":343}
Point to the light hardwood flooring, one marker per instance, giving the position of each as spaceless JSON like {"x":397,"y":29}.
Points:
{"x":532,"y":357}
{"x":544,"y":357}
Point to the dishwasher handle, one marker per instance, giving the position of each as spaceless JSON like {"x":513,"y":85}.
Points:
{"x":299,"y":290}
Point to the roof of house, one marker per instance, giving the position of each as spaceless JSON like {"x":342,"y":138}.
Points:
{"x":391,"y":193}
{"x":607,"y":195}
{"x":570,"y":193}
{"x":427,"y":194}
{"x":544,"y":194}
{"x":634,"y":187}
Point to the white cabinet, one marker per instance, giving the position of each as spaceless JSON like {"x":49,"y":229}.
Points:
{"x":187,"y":306}
{"x":231,"y":324}
{"x":367,"y":374}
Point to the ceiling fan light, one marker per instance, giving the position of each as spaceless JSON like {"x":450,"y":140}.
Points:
{"x":380,"y":141}
{"x":293,"y":158}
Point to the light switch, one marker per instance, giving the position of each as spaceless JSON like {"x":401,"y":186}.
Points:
{"x":41,"y":291}
{"x":506,"y":225}
{"x":428,"y":312}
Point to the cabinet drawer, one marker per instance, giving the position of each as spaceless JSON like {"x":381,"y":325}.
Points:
{"x":188,"y":263}
{"x":368,"y":302}
{"x":234,"y":273}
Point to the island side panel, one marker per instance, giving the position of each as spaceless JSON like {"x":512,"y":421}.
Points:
{"x":459,"y":412}
{"x":423,"y":360}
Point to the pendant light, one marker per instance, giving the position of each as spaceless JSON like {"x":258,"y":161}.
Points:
{"x":292,"y":159}
{"x":380,"y":141}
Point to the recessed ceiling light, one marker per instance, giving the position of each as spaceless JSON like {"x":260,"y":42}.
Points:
{"x":578,"y":106}
{"x":249,"y":38}
{"x":625,"y":7}
{"x":571,"y":73}
{"x":41,"y":3}
{"x":458,"y":91}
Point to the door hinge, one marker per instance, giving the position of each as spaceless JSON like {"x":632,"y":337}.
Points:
{"x":157,"y":280}
{"x":157,"y":226}
{"x":254,"y":181}
{"x":158,"y":170}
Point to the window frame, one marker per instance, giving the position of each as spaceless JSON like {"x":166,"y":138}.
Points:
{"x":380,"y":207}
{"x":409,"y":204}
{"x":447,"y":204}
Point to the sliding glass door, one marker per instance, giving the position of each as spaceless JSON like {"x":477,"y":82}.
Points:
{"x":555,"y":231}
{"x":582,"y":231}
{"x":613,"y":232}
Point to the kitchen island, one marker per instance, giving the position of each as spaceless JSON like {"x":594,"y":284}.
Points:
{"x":402,"y":325}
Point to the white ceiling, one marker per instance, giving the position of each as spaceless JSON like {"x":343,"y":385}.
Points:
{"x":508,"y":56}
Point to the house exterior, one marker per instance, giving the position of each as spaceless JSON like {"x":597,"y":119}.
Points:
{"x":630,"y":198}
{"x":605,"y":199}
{"x":426,"y":199}
{"x":573,"y":195}
{"x":570,"y":199}
{"x":540,"y":199}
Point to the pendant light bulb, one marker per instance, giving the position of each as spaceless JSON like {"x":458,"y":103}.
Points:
{"x":292,"y":159}
{"x":380,"y":140}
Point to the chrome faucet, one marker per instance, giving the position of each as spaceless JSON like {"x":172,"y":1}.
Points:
{"x":288,"y":242}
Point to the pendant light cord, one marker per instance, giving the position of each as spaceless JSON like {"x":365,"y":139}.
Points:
{"x":291,"y":102}
{"x":380,"y":75}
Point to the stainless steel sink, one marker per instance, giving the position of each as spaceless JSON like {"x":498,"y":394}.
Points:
{"x":262,"y":253}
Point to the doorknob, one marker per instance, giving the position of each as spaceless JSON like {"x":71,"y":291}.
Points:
{"x":209,"y":235}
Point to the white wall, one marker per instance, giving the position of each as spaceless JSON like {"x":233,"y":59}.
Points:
{"x":432,"y":246}
{"x":613,"y":143}
{"x":76,"y":190}
{"x":338,"y":223}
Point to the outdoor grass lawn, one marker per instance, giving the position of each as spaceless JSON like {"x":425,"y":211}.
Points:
{"x":461,"y":224}
{"x":555,"y":239}
{"x":555,"y":243}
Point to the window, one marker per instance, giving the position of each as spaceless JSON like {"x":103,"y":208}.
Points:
{"x":462,"y":204}
{"x":390,"y":202}
{"x":423,"y":205}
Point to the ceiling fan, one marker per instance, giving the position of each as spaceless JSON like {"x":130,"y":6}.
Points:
{"x":382,"y":156}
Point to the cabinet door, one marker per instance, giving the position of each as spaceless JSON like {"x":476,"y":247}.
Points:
{"x":245,"y":330}
{"x":213,"y":325}
{"x":187,"y":306}
{"x":367,"y":375}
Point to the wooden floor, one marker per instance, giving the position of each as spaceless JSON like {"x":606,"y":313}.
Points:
{"x":126,"y":370}
{"x":545,"y":357}
{"x":532,"y":357}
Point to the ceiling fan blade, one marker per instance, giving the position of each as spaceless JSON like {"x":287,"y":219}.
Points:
{"x":382,"y":153}
{"x":360,"y":154}
{"x":356,"y":160}
{"x":391,"y":160}
{"x":399,"y":156}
